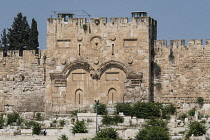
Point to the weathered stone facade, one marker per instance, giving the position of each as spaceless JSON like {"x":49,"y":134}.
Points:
{"x":185,"y":74}
{"x":93,"y":59}
{"x":98,"y":60}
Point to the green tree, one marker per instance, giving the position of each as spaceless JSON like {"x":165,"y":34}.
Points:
{"x":33,"y":36}
{"x":153,"y":133}
{"x":146,"y":110}
{"x":196,"y":128}
{"x":14,"y":118}
{"x":106,"y":134}
{"x":79,"y":127}
{"x":102,"y":109}
{"x":18,"y":34}
{"x":63,"y":137}
{"x":126,"y":108}
{"x":156,"y":122}
{"x":4,"y":40}
{"x":36,"y":128}
{"x":200,"y":101}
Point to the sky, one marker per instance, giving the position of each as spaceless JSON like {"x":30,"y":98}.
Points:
{"x":176,"y":19}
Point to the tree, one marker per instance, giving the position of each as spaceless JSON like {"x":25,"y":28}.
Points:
{"x":154,"y":129}
{"x":79,"y":127}
{"x":36,"y":128}
{"x":106,"y":134}
{"x":153,"y":133}
{"x":101,"y":109}
{"x":63,"y":137}
{"x":196,"y":128}
{"x":4,"y":40}
{"x":33,"y":36}
{"x":18,"y":34}
{"x":126,"y":108}
{"x":146,"y":110}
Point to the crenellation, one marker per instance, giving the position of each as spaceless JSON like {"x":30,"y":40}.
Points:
{"x":195,"y":42}
{"x":177,"y":43}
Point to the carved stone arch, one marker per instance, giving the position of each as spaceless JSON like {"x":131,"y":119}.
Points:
{"x":91,"y":39}
{"x":114,"y":64}
{"x":96,"y":42}
{"x":79,"y":64}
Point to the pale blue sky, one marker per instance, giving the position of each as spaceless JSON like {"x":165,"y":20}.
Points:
{"x":178,"y":19}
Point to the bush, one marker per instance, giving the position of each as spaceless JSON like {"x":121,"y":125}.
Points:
{"x":126,"y":108}
{"x":112,"y":120}
{"x":169,"y":109}
{"x":192,"y":112}
{"x":1,"y":122}
{"x":196,"y":128}
{"x":153,"y":133}
{"x":200,"y":101}
{"x":62,"y":123}
{"x":39,"y":116}
{"x":14,"y":118}
{"x":146,"y":110}
{"x":79,"y":127}
{"x":182,"y":116}
{"x":102,"y":109}
{"x":36,"y":128}
{"x":156,"y":122}
{"x":106,"y":134}
{"x":63,"y":137}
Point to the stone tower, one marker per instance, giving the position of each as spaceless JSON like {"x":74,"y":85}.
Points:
{"x":89,"y":59}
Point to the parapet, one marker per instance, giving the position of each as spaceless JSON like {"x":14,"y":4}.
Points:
{"x":181,"y":43}
{"x":195,"y":42}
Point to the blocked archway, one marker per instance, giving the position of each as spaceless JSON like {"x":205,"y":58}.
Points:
{"x":112,"y":95}
{"x":79,"y":97}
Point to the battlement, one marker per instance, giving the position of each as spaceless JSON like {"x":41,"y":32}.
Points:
{"x":98,"y":20}
{"x":19,"y":54}
{"x":181,"y":43}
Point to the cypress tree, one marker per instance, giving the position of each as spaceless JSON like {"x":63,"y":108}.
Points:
{"x":33,"y":37}
{"x":4,"y":40}
{"x":18,"y":34}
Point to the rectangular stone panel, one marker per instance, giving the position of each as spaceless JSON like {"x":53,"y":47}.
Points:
{"x":130,"y":42}
{"x":112,"y":76}
{"x":63,"y":43}
{"x":78,"y":76}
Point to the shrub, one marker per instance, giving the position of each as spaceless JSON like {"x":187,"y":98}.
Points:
{"x":156,"y":122}
{"x":14,"y":118}
{"x":63,"y":137}
{"x":79,"y":127}
{"x":146,"y":110}
{"x":169,"y":109}
{"x":112,"y":120}
{"x":191,"y":112}
{"x":62,"y":123}
{"x":102,"y":109}
{"x":36,"y":128}
{"x":106,"y":134}
{"x":153,"y":133}
{"x":39,"y":116}
{"x":182,"y":116}
{"x":200,"y":101}
{"x":196,"y":128}
{"x":126,"y":108}
{"x":1,"y":122}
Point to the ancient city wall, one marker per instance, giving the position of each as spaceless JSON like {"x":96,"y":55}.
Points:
{"x":185,"y":74}
{"x":22,"y":83}
{"x":98,"y":60}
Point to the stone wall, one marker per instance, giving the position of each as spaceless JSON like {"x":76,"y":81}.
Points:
{"x":185,"y":74}
{"x":107,"y":61}
{"x":22,"y":83}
